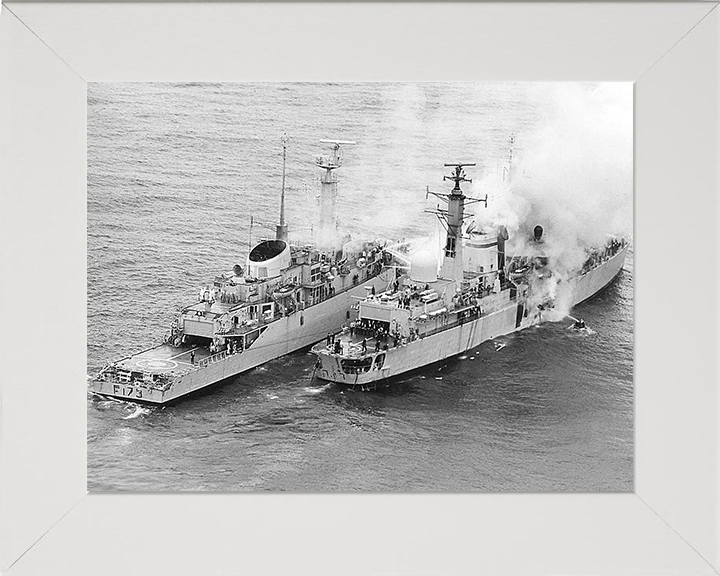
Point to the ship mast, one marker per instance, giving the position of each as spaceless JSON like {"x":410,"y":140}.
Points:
{"x":452,"y":220}
{"x":508,"y":169}
{"x":281,"y":231}
{"x":327,"y":227}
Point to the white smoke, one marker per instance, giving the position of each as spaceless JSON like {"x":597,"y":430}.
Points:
{"x":572,"y":176}
{"x":571,"y":173}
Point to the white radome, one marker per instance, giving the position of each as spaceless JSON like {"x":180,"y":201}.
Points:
{"x":423,"y":266}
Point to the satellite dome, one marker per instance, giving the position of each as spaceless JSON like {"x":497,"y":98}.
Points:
{"x":423,"y":266}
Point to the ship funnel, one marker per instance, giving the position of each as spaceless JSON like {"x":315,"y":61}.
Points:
{"x":537,"y":233}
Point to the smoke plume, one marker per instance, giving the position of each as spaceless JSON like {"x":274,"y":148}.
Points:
{"x":572,"y":176}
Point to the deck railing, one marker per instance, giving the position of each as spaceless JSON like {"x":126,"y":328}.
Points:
{"x":214,"y":359}
{"x":163,"y":382}
{"x":355,"y":348}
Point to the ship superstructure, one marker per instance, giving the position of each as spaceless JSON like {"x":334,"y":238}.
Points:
{"x":286,"y":297}
{"x":436,"y":311}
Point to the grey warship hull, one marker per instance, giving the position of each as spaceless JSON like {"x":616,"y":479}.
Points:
{"x":165,"y":373}
{"x":445,"y":338}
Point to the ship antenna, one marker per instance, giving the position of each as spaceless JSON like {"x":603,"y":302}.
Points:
{"x":284,"y":141}
{"x":458,"y":176}
{"x":508,"y":170}
{"x":281,"y":232}
{"x":250,"y":234}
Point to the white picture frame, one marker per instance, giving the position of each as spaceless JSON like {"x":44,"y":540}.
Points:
{"x":48,"y":522}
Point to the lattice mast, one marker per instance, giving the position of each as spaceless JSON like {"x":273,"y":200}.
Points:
{"x":508,"y":170}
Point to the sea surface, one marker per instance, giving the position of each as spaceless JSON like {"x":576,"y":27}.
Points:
{"x":175,"y":172}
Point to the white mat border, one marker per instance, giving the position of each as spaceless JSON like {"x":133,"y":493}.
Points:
{"x":47,"y":52}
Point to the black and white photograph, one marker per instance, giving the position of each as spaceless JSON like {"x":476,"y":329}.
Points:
{"x":360,"y":287}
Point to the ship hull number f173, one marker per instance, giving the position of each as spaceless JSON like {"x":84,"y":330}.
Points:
{"x":128,"y":391}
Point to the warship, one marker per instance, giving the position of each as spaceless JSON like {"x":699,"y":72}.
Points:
{"x":284,"y":299}
{"x":435,"y":311}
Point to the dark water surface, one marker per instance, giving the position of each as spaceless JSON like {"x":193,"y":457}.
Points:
{"x":174,"y":173}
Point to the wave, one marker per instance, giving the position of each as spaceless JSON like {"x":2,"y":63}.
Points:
{"x":311,"y":390}
{"x":139,"y":411}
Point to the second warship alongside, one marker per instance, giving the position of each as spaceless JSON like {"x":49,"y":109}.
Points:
{"x":478,"y":293}
{"x":284,"y":299}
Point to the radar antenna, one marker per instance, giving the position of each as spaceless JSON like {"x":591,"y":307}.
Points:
{"x":334,"y":160}
{"x":458,"y":176}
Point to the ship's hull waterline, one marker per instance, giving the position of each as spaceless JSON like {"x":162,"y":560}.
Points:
{"x":508,"y":318}
{"x":282,"y":336}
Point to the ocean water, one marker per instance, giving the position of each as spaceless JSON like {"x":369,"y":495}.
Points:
{"x":175,"y":171}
